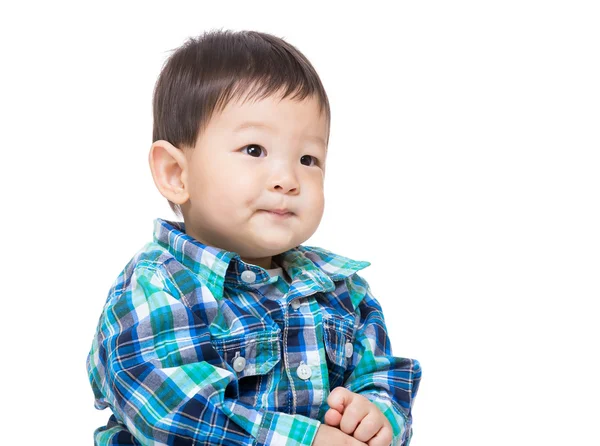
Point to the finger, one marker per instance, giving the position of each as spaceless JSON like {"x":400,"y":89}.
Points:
{"x":353,"y":414}
{"x":346,"y":440}
{"x":339,"y":398}
{"x":383,"y":437}
{"x":333,"y":418}
{"x":331,"y":436}
{"x":369,"y":426}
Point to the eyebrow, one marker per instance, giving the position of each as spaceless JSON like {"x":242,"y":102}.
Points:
{"x":251,"y":124}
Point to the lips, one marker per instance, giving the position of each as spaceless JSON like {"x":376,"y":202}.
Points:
{"x":279,"y":212}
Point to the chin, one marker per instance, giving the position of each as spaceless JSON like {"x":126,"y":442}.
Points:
{"x":274,"y":247}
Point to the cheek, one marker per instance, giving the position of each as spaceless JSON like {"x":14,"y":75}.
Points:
{"x":315,"y":199}
{"x":314,"y":186}
{"x":234,"y":194}
{"x":211,"y":194}
{"x":319,"y":209}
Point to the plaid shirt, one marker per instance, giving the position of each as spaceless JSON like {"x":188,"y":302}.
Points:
{"x":194,"y":346}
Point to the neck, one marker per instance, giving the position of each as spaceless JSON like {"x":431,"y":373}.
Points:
{"x":263,"y":262}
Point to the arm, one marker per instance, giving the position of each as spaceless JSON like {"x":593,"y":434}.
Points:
{"x":389,"y":382}
{"x":115,"y":434}
{"x":154,"y":365}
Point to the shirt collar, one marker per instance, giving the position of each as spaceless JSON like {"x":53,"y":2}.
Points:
{"x":218,"y":266}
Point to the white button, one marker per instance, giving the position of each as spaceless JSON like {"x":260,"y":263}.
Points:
{"x":296,"y":304}
{"x":304,"y":372}
{"x":349,"y":349}
{"x":248,"y":276}
{"x":239,"y":363}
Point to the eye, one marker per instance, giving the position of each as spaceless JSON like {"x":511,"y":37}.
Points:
{"x":308,"y":160}
{"x":253,"y":150}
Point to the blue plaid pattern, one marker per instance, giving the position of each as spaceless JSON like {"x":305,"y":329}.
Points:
{"x":188,"y":353}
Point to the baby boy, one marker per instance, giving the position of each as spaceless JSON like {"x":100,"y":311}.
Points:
{"x":225,"y":329}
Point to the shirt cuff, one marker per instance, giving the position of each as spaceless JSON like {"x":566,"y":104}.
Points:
{"x":401,"y":426}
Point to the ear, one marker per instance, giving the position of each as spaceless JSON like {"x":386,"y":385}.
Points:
{"x":168,"y":165}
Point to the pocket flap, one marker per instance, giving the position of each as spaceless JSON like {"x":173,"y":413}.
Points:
{"x":337,"y":333}
{"x":259,"y":352}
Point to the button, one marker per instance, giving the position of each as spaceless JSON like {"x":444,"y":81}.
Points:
{"x":349,"y":349}
{"x":304,"y":372}
{"x":239,"y":363}
{"x":248,"y":276}
{"x":296,"y":304}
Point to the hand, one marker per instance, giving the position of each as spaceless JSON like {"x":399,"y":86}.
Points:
{"x":329,"y":436}
{"x":355,"y":415}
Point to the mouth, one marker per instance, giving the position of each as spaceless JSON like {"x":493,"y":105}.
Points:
{"x":280,"y":213}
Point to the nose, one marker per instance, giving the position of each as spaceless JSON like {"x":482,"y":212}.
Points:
{"x":284,"y":180}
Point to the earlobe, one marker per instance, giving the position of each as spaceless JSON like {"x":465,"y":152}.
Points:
{"x":169,"y":166}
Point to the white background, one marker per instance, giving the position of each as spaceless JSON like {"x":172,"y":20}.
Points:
{"x":464,"y":164}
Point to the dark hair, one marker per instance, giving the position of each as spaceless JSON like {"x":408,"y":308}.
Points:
{"x":203,"y":75}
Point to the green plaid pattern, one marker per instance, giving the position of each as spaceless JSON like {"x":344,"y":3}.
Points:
{"x":189,"y":351}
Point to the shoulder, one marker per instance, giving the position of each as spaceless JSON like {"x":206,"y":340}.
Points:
{"x":154,"y":272}
{"x":150,"y":265}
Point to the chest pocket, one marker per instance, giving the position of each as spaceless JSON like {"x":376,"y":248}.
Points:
{"x":338,"y":336}
{"x":249,"y":357}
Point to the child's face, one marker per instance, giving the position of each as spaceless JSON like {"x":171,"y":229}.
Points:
{"x":252,"y":159}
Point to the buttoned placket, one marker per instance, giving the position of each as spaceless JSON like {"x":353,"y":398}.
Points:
{"x":303,"y":350}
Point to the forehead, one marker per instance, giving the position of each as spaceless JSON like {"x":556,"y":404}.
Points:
{"x":274,"y":113}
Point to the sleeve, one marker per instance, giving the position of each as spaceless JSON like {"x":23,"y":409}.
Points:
{"x":153,"y":364}
{"x":391,"y":383}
